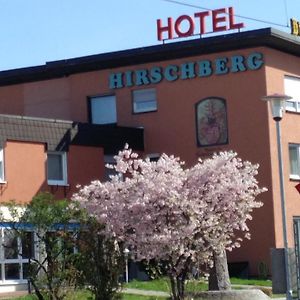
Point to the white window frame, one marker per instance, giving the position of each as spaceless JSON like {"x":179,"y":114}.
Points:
{"x":64,"y":181}
{"x":153,"y":157}
{"x":2,"y":169}
{"x":95,"y":103}
{"x":297,"y":175}
{"x":140,"y":97}
{"x":19,"y":260}
{"x":37,"y":248}
{"x":59,"y":243}
{"x":292,"y":88}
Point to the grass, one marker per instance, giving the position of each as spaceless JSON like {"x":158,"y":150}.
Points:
{"x":152,"y":285}
{"x":257,"y":282}
{"x":278,"y":296}
{"x":79,"y":295}
{"x":162,"y":285}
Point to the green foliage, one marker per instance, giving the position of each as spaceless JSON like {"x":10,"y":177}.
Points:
{"x":154,"y":269}
{"x":101,"y":261}
{"x":51,"y":272}
{"x":263,"y":270}
{"x":44,"y":212}
{"x":60,"y":227}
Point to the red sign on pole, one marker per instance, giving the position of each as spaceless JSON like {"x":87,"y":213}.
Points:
{"x":220,"y":20}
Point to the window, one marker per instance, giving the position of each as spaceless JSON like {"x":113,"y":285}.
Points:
{"x":294,"y":153}
{"x":57,"y":168}
{"x":154,"y":157}
{"x":16,"y":249}
{"x":109,"y":159}
{"x":292,"y":88}
{"x":14,"y":255}
{"x":144,"y":100}
{"x":1,"y":166}
{"x":108,"y":172}
{"x":103,"y":110}
{"x":59,"y":244}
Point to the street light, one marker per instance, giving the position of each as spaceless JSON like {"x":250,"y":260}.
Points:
{"x":126,"y":254}
{"x":277,"y":103}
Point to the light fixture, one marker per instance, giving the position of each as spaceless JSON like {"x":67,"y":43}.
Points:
{"x":277,"y":103}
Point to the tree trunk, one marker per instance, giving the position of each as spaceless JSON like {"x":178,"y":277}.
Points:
{"x":37,"y":290}
{"x":177,"y":288}
{"x":180,"y":287}
{"x":219,"y":276}
{"x":174,"y":293}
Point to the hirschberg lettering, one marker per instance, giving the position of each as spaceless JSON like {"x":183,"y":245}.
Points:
{"x":187,"y":71}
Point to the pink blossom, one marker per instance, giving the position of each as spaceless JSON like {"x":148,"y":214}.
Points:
{"x":163,"y":211}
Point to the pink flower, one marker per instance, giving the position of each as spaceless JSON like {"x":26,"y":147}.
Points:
{"x":164,"y":211}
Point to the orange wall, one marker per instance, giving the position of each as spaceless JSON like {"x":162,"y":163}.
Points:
{"x":51,"y":99}
{"x":280,"y":64}
{"x":12,"y":100}
{"x":84,"y":165}
{"x":25,"y":170}
{"x":172,"y":129}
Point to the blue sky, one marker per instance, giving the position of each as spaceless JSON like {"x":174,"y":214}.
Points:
{"x":33,"y":32}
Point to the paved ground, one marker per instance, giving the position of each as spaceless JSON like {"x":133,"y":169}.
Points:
{"x":6,"y":296}
{"x":12,"y":295}
{"x":9,"y":296}
{"x":144,"y":293}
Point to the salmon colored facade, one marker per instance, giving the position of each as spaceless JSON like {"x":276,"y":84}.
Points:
{"x":26,"y":170}
{"x":245,"y":67}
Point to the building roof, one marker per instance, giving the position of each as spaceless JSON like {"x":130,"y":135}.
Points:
{"x":268,"y":37}
{"x":59,"y":134}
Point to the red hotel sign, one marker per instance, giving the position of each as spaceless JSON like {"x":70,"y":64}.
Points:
{"x":221,"y":19}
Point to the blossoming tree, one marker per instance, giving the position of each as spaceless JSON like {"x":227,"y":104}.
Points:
{"x":163,"y":211}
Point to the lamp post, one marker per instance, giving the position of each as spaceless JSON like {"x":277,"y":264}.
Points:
{"x":126,"y":254}
{"x":277,"y":103}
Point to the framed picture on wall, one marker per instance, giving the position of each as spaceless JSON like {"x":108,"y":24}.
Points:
{"x":211,"y":122}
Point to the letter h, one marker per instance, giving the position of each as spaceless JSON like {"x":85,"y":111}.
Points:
{"x":161,"y":29}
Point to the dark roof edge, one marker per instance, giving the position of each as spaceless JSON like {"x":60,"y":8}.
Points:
{"x":269,"y":37}
{"x":67,"y":122}
{"x":59,"y":134}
